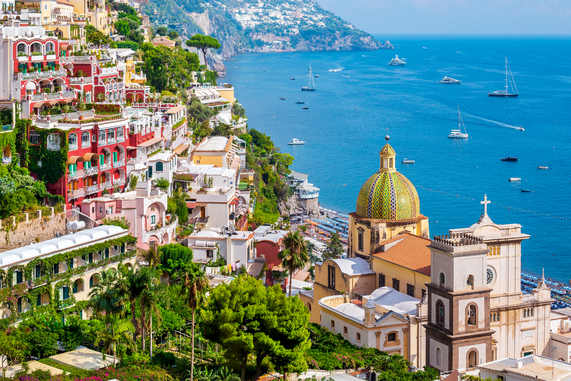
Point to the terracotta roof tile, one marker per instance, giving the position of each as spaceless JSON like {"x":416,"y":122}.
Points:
{"x":410,"y":252}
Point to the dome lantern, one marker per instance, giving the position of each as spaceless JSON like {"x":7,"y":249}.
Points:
{"x":387,"y":155}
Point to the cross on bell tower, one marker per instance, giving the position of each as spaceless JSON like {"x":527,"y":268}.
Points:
{"x":485,"y":203}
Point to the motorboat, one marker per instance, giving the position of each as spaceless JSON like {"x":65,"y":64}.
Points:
{"x":296,"y":142}
{"x":407,"y":161}
{"x":525,"y":191}
{"x":299,"y":102}
{"x":509,"y":158}
{"x":520,"y":128}
{"x":458,"y":134}
{"x":542,"y":167}
{"x":311,"y":85}
{"x":509,"y":79}
{"x":316,"y":76}
{"x":397,"y":62}
{"x":282,"y":98}
{"x":305,"y":108}
{"x":513,"y":179}
{"x":292,"y":79}
{"x":450,"y":81}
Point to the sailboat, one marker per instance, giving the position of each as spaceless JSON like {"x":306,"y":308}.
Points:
{"x":311,"y":86}
{"x":505,"y":93}
{"x":458,"y":134}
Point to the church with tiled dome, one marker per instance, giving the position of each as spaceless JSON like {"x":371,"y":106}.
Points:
{"x":387,"y":205}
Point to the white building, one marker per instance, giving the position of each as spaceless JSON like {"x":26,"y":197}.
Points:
{"x":237,"y":247}
{"x":527,"y":368}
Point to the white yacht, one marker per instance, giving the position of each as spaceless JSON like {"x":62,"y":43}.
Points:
{"x":296,"y":142}
{"x":458,"y":134}
{"x":407,"y":161}
{"x":449,"y":81}
{"x":515,"y":179}
{"x":397,"y":62}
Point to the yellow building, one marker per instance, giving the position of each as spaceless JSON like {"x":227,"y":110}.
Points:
{"x":215,"y":150}
{"x":227,"y":92}
{"x":403,"y":263}
{"x":387,"y":205}
{"x":345,"y":276}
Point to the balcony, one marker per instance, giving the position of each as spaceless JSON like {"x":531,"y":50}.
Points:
{"x":108,"y":185}
{"x":119,"y":181}
{"x":102,"y":142}
{"x":120,"y":163}
{"x":53,"y":96}
{"x":91,"y":171}
{"x":110,"y":140}
{"x":75,"y":80}
{"x":85,"y":144}
{"x":72,"y":147}
{"x":38,"y":97}
{"x":53,"y":146}
{"x":91,"y":189}
{"x":120,"y":139}
{"x":76,"y":193}
{"x":159,"y":232}
{"x":75,"y":174}
{"x":104,"y":166}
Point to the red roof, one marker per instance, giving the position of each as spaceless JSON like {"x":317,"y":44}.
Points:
{"x":408,"y":251}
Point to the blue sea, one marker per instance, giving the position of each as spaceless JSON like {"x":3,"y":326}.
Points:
{"x":355,"y":107}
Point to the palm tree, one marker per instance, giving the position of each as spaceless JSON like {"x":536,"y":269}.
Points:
{"x":294,"y":256}
{"x":118,"y":332}
{"x":194,"y":286}
{"x":131,"y":286}
{"x":105,"y":296}
{"x":151,"y":292}
{"x":151,"y":256}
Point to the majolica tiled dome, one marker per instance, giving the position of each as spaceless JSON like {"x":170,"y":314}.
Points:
{"x":388,"y":195}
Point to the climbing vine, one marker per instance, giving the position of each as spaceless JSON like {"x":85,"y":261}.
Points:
{"x":53,"y":163}
{"x":22,"y":145}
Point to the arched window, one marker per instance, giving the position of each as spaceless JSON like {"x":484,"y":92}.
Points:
{"x":85,"y":139}
{"x":50,"y":48}
{"x":438,"y":357}
{"x":472,"y":359}
{"x":470,"y":282}
{"x":36,"y":47}
{"x":439,"y":312}
{"x":120,"y":134}
{"x":93,"y":280}
{"x":110,"y":134}
{"x":159,"y":166}
{"x":72,"y":142}
{"x":392,"y":337}
{"x":442,"y":280}
{"x":309,"y":306}
{"x":360,"y":239}
{"x":102,"y":135}
{"x":54,"y":141}
{"x":22,"y":48}
{"x":471,"y":315}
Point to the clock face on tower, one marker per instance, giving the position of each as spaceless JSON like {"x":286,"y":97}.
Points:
{"x":490,"y":275}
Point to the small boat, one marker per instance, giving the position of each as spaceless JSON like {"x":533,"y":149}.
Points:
{"x":316,"y":76}
{"x":296,"y":142}
{"x":299,"y":102}
{"x":515,"y":179}
{"x":282,"y":98}
{"x":542,"y":167}
{"x":449,"y":81}
{"x":407,"y":161}
{"x":458,"y":134}
{"x":525,"y":191}
{"x":305,"y":108}
{"x":520,"y":128}
{"x":397,"y":62}
{"x":311,"y":85}
{"x":505,"y":93}
{"x":509,"y":158}
{"x":292,"y":79}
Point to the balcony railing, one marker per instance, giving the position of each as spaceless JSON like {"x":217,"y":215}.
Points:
{"x":119,"y":181}
{"x":92,"y":189}
{"x":108,"y":185}
{"x":53,"y":147}
{"x":104,"y":166}
{"x":76,"y":193}
{"x":73,"y":147}
{"x":75,"y":174}
{"x":110,"y":140}
{"x":120,"y":139}
{"x":91,"y":171}
{"x":119,"y":163}
{"x":102,"y":142}
{"x":52,"y":96}
{"x":80,"y":79}
{"x":85,"y":144}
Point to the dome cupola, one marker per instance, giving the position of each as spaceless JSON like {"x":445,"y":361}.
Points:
{"x":388,"y":195}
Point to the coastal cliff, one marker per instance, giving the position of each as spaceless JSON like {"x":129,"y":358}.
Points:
{"x":249,"y":26}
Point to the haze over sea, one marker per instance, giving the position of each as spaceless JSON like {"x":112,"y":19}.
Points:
{"x":350,"y":112}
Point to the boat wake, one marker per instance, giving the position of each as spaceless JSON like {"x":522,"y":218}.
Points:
{"x":496,"y":123}
{"x":336,"y":70}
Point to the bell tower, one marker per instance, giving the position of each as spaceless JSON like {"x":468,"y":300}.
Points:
{"x":458,"y":334}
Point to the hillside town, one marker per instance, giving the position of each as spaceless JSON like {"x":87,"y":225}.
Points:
{"x":147,"y":233}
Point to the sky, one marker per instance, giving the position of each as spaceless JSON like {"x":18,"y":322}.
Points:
{"x":455,"y":16}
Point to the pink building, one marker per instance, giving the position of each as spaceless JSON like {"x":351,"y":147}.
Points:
{"x":146,"y":214}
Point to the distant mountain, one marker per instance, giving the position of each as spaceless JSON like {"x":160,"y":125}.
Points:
{"x":251,"y":26}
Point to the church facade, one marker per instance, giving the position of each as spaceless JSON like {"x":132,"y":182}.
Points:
{"x":476,"y":310}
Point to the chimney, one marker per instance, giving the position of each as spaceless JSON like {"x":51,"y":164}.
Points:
{"x":519,"y":364}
